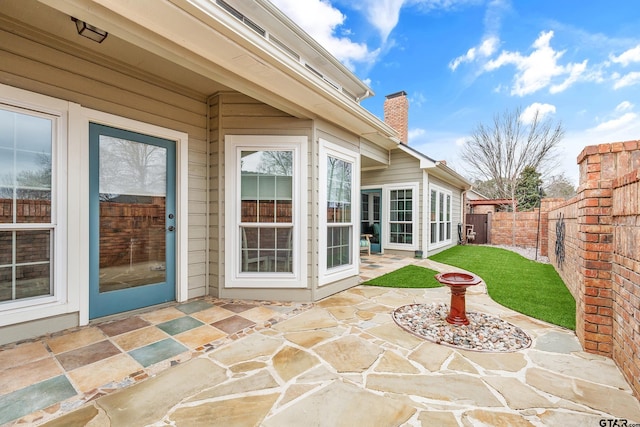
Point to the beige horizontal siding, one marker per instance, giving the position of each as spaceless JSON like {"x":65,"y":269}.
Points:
{"x":63,"y":72}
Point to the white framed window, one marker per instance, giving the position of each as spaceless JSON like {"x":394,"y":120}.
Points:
{"x":339,"y":213}
{"x":439,"y":216}
{"x":33,"y":143}
{"x":401,"y":216}
{"x":265,"y":203}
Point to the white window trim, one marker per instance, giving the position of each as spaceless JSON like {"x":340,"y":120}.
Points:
{"x":234,"y":278}
{"x":64,"y":299}
{"x":446,"y":192}
{"x":386,"y":213}
{"x":342,"y":272}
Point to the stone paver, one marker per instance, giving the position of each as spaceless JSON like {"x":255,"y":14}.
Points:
{"x":346,"y":363}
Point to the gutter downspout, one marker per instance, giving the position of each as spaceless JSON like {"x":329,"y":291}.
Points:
{"x":463,"y":215}
{"x":207,"y":241}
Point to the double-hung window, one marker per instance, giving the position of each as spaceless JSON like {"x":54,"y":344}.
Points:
{"x":440,"y":216}
{"x":28,"y":202}
{"x":264,"y":203}
{"x":338,"y":214}
{"x":401,"y":215}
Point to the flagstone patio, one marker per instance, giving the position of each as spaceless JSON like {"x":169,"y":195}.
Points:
{"x":341,"y":361}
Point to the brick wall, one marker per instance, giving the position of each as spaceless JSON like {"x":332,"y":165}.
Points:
{"x":625,"y":275}
{"x":601,"y":265}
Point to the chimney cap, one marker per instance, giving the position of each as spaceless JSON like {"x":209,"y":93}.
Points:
{"x":397,"y":94}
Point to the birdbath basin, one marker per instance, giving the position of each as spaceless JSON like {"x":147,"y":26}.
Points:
{"x":458,"y":283}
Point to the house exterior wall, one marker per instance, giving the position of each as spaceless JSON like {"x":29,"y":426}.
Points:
{"x":403,"y":168}
{"x":53,"y":70}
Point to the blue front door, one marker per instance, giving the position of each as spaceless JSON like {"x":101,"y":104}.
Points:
{"x":131,"y":220}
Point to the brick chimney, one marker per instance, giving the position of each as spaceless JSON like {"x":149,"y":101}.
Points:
{"x":396,"y":114}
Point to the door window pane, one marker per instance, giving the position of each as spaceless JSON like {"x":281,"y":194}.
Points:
{"x":133,"y":188}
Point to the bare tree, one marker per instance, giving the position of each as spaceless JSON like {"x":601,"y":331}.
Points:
{"x":500,"y":151}
{"x":559,"y":186}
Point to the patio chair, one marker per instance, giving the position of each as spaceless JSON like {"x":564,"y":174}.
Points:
{"x":365,"y":243}
{"x":471,"y":235}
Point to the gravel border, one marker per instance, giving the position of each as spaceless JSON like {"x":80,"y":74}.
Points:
{"x":529,"y":253}
{"x":484,"y":333}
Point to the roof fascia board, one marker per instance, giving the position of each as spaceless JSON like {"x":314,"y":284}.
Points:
{"x":436,"y":168}
{"x":184,"y":33}
{"x":364,"y":91}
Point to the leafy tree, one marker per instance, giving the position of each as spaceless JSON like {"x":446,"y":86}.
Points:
{"x":559,"y":186}
{"x":528,"y":189}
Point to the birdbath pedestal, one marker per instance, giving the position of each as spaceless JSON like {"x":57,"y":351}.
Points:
{"x":458,"y":283}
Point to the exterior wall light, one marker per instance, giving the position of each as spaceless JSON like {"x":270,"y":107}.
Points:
{"x":89,"y":31}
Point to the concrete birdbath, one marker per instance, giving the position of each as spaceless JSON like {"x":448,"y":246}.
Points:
{"x":458,"y":283}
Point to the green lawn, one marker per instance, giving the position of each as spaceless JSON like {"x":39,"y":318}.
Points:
{"x":410,"y":276}
{"x":523,"y":285}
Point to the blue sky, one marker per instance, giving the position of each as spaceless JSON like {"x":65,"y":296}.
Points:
{"x":462,"y":61}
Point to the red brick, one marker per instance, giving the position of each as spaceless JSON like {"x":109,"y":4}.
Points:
{"x":598,"y":337}
{"x":605,"y":348}
{"x":605,"y":311}
{"x":617,"y":147}
{"x":590,"y":346}
{"x":601,"y":302}
{"x":599,"y":192}
{"x":604,"y":148}
{"x":599,"y":320}
{"x":605,"y":329}
{"x":594,"y":167}
{"x":598,"y":265}
{"x":631,"y":145}
{"x":599,"y":247}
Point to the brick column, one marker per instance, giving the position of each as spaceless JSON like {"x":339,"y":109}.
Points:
{"x":595,"y":236}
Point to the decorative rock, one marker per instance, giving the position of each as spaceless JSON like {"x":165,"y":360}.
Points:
{"x":484,"y":332}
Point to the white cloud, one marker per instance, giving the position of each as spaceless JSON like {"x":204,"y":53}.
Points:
{"x":617,"y":123}
{"x":627,"y":57}
{"x":624,"y":106}
{"x":575,"y":71}
{"x":417,"y":99}
{"x":321,"y":21}
{"x":484,"y":50}
{"x":528,"y":114}
{"x":415,"y":134}
{"x":383,"y":15}
{"x":629,"y":79}
{"x":537,"y":70}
